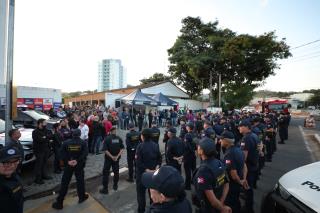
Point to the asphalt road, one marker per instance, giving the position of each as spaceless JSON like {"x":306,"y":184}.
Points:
{"x":299,"y":150}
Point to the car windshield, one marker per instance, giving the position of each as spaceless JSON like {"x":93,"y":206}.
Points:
{"x":36,"y":115}
{"x":277,"y":106}
{"x":41,"y":113}
{"x":2,"y":126}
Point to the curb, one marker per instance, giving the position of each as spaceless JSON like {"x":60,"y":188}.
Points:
{"x":72,"y":185}
{"x":317,"y":137}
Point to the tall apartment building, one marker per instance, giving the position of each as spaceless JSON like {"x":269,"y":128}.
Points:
{"x":112,"y":75}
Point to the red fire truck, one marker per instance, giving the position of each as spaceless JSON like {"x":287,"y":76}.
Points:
{"x":275,"y":106}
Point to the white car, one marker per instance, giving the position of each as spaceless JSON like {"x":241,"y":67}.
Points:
{"x":25,"y":140}
{"x":297,"y":191}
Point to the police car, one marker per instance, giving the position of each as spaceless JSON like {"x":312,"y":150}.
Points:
{"x":25,"y":140}
{"x":297,"y":191}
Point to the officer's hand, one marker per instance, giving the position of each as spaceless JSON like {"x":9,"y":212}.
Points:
{"x":226,"y":209}
{"x":245,"y":184}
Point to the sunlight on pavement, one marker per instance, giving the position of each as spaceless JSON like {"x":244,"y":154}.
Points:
{"x":70,"y":205}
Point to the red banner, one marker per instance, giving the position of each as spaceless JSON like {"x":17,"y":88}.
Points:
{"x":20,"y":101}
{"x":38,"y":101}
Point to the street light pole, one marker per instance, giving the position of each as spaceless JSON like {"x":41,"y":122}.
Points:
{"x":219,"y":90}
{"x":7,"y":29}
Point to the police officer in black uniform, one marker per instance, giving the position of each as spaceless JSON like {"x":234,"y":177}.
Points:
{"x":15,"y":135}
{"x":132,"y":141}
{"x":268,"y":138}
{"x":74,"y":153}
{"x":210,"y":133}
{"x":155,"y":132}
{"x":113,"y":148}
{"x":148,"y":159}
{"x":249,"y":146}
{"x":183,"y":129}
{"x":167,"y":191}
{"x":282,"y":124}
{"x":41,"y":137}
{"x":11,"y":197}
{"x":175,"y":149}
{"x":210,"y":180}
{"x":236,"y":170}
{"x":189,"y":157}
{"x":166,"y":137}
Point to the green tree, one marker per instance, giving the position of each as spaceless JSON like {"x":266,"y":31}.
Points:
{"x":203,"y":49}
{"x":233,"y":92}
{"x":315,"y":99}
{"x":156,"y":78}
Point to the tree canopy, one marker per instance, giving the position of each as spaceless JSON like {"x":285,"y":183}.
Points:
{"x":241,"y":59}
{"x":155,"y":78}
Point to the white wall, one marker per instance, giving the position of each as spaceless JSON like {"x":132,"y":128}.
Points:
{"x":190,"y":104}
{"x":110,"y":99}
{"x":167,"y":89}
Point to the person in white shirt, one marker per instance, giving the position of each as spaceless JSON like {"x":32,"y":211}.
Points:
{"x":84,"y":130}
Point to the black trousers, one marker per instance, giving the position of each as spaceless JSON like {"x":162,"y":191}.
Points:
{"x":141,"y":194}
{"x":251,"y":178}
{"x":56,"y":163}
{"x":66,"y":178}
{"x":233,"y":197}
{"x":268,"y":149}
{"x":189,"y":168}
{"x":108,"y":163}
{"x":41,"y":163}
{"x":131,"y":162}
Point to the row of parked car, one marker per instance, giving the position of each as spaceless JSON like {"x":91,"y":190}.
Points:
{"x":26,"y":122}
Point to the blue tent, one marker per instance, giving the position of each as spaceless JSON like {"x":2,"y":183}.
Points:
{"x":163,"y":100}
{"x":137,"y":98}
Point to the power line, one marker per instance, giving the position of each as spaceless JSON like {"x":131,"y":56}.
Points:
{"x":303,"y":59}
{"x":305,"y":55}
{"x":302,"y":45}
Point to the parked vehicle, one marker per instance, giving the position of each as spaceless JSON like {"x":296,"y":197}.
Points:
{"x":25,"y":140}
{"x":297,"y":191}
{"x":29,"y":118}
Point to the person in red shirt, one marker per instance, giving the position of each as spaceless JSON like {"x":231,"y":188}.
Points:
{"x":107,"y":123}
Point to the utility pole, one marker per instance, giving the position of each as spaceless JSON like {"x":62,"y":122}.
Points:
{"x":219,"y":90}
{"x":6,"y":48}
{"x":211,"y":86}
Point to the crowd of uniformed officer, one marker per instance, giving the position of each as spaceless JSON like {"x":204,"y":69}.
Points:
{"x":231,"y":150}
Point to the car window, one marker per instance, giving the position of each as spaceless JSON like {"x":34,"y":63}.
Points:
{"x":35,"y":115}
{"x":2,"y":126}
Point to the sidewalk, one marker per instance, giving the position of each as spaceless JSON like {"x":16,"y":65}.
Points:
{"x":71,"y":205}
{"x":94,"y":166}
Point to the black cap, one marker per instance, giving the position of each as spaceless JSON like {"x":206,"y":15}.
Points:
{"x":76,"y":133}
{"x":146,"y":132}
{"x":172,"y":130}
{"x":8,"y":153}
{"x":166,"y":180}
{"x":131,"y":126}
{"x":190,"y":124}
{"x":208,"y":146}
{"x":245,"y":123}
{"x":227,"y":135}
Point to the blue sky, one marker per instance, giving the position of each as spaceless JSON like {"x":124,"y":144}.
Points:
{"x":58,"y":43}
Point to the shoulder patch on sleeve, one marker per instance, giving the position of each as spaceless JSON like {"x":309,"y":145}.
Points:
{"x":201,"y":180}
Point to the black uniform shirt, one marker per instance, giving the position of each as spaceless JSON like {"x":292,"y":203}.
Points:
{"x":210,"y":176}
{"x":11,"y":198}
{"x":132,"y":140}
{"x":175,"y":148}
{"x":40,"y":140}
{"x":74,"y":149}
{"x":113,"y":144}
{"x":148,"y":156}
{"x":250,"y":143}
{"x":155,"y":135}
{"x":234,"y":160}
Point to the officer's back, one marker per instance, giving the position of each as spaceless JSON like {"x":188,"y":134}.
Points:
{"x":155,"y":135}
{"x":132,"y":139}
{"x":74,"y":149}
{"x":175,"y":147}
{"x":148,"y":155}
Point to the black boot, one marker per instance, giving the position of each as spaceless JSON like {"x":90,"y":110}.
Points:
{"x":84,"y":198}
{"x":57,"y":205}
